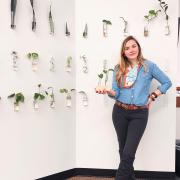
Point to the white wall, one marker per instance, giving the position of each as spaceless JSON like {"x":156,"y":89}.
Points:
{"x":36,"y":144}
{"x":178,"y":109}
{"x":96,"y":143}
{"x":178,"y":84}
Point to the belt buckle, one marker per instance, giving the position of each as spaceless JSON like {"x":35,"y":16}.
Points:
{"x":133,"y":107}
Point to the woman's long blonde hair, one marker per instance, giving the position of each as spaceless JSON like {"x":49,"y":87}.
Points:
{"x":124,"y":63}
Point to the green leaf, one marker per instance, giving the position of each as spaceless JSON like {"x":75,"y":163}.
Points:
{"x":19,"y":97}
{"x":63,"y":90}
{"x":152,"y":12}
{"x":39,"y":85}
{"x":29,"y":55}
{"x":167,"y":17}
{"x":46,"y":93}
{"x":107,"y":22}
{"x":105,"y":71}
{"x":36,"y":96}
{"x":146,"y":17}
{"x":110,"y":69}
{"x":35,"y":55}
{"x":22,"y":98}
{"x":166,"y":8}
{"x":100,"y":76}
{"x":41,"y":96}
{"x":11,"y":95}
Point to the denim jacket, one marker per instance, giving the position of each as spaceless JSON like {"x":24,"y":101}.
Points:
{"x":139,"y":92}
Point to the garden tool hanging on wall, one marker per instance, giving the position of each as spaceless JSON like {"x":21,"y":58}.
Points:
{"x":51,"y":22}
{"x":34,"y":17}
{"x":13,"y":12}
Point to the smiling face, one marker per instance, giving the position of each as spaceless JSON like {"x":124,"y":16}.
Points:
{"x":131,"y":50}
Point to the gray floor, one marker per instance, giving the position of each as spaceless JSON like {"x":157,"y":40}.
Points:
{"x":98,"y":178}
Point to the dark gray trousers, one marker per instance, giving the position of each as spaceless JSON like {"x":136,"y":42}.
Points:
{"x":129,"y":126}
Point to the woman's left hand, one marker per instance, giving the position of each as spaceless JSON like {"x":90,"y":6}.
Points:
{"x":149,"y":102}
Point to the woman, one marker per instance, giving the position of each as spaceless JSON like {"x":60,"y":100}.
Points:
{"x":130,"y":88}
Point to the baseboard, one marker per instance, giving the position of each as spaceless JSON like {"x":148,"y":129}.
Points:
{"x":106,"y":173}
{"x":60,"y":176}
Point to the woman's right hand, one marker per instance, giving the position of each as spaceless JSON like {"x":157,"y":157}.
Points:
{"x":100,"y":90}
{"x":104,"y":90}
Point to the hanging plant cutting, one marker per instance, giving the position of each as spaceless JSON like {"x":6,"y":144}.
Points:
{"x":68,"y":96}
{"x":51,"y":95}
{"x":18,"y":97}
{"x":34,"y":17}
{"x":52,"y":64}
{"x":13,"y":12}
{"x":67,"y":30}
{"x":85,"y":68}
{"x":38,"y":96}
{"x":85,"y":98}
{"x":15,"y":58}
{"x":34,"y":57}
{"x":125,"y":31}
{"x":106,"y":23}
{"x":51,"y":22}
{"x":85,"y":32}
{"x":152,"y":14}
{"x":164,"y":7}
{"x":68,"y":64}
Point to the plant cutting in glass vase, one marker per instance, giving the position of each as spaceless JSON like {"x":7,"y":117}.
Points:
{"x":125,"y":31}
{"x":51,"y":95}
{"x":51,"y":22}
{"x":68,"y":64}
{"x":52,"y":64}
{"x":85,"y":68}
{"x":105,"y":64}
{"x":106,"y":23}
{"x":34,"y":57}
{"x":85,"y":98}
{"x":164,"y":7}
{"x":152,"y":14}
{"x":85,"y":32}
{"x":68,"y":96}
{"x":18,"y":97}
{"x":67,"y":32}
{"x":15,"y":60}
{"x":13,"y":12}
{"x":38,"y":96}
{"x":106,"y":72}
{"x":100,"y":77}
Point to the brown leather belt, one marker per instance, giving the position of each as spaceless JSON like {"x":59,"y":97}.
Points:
{"x":130,"y":106}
